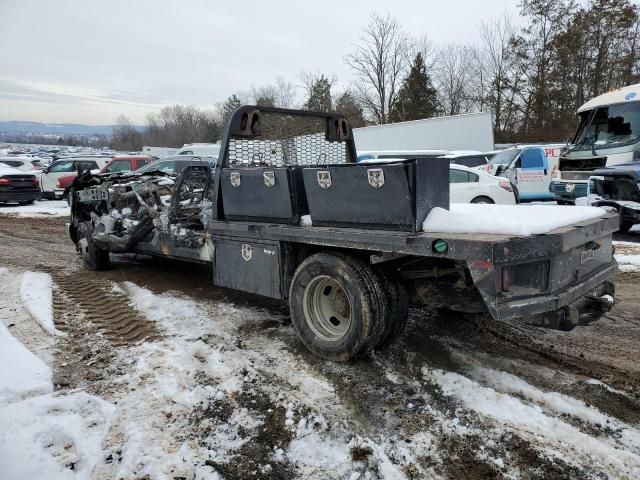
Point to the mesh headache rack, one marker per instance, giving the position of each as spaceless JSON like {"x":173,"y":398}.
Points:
{"x":269,"y":137}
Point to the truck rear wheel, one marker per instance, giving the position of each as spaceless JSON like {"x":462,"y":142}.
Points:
{"x":397,"y":311}
{"x":336,"y":306}
{"x":94,"y":258}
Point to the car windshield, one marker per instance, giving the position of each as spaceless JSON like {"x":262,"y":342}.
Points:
{"x":608,"y":127}
{"x":162,"y":166}
{"x":505,"y":157}
{"x":63,"y":166}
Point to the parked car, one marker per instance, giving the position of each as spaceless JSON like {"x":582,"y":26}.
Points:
{"x":467,"y":159}
{"x":617,"y":186}
{"x":17,"y":186}
{"x":125,"y":163}
{"x":25,"y":164}
{"x":64,"y":167}
{"x":177,"y":163}
{"x":472,"y":186}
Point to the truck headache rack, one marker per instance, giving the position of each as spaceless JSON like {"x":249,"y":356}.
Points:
{"x":261,"y":137}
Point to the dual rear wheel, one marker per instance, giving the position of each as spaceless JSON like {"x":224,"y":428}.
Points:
{"x":341,"y":307}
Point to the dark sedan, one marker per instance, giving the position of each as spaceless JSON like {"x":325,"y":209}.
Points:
{"x":17,"y":186}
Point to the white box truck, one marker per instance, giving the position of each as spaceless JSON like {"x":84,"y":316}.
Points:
{"x":473,"y":131}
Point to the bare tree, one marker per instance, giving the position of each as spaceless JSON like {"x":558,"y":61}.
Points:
{"x":280,"y":94}
{"x":423,"y":45}
{"x":126,"y":136}
{"x":380,"y":62}
{"x":496,"y":64}
{"x":452,"y":77}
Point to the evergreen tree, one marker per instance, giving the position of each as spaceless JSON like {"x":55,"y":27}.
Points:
{"x":230,"y":105}
{"x":417,"y":96}
{"x":319,"y":95}
{"x":347,"y":105}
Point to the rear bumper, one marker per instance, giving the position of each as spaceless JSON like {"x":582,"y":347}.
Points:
{"x":20,"y":196}
{"x":568,"y":191}
{"x":550,"y":303}
{"x":49,"y":195}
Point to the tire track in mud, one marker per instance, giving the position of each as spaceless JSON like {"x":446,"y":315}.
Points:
{"x":108,"y":310}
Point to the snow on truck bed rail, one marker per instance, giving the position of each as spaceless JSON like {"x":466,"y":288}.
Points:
{"x":521,"y":220}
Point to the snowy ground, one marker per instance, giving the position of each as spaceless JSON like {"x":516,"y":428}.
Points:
{"x":628,"y":256}
{"x":219,"y":387}
{"x":41,"y":208}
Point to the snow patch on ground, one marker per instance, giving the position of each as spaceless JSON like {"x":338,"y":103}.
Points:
{"x":41,"y":208}
{"x":53,"y":436}
{"x":21,"y":373}
{"x":628,"y":256}
{"x":521,"y":220}
{"x":305,"y":221}
{"x":202,"y":342}
{"x":37,"y":299}
{"x":530,"y":420}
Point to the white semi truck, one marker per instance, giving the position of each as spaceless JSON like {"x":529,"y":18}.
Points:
{"x":608,"y":134}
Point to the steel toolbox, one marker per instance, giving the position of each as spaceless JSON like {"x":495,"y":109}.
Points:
{"x":263,"y":194}
{"x":395,"y":195}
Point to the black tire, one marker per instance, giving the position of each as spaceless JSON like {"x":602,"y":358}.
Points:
{"x":564,"y":202}
{"x":397,"y":312}
{"x":625,"y":226}
{"x":366,"y":309}
{"x":26,"y":202}
{"x":482,"y":199}
{"x":94,"y":258}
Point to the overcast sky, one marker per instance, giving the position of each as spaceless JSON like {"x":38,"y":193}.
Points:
{"x":87,"y":61}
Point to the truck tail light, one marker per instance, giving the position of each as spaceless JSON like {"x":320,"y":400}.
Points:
{"x":526,"y":278}
{"x":506,"y":185}
{"x":36,"y":181}
{"x":5,"y":182}
{"x":58,"y":184}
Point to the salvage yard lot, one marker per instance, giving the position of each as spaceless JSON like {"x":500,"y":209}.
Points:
{"x":156,"y":374}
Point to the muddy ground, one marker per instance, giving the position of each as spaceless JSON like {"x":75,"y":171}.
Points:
{"x":384,"y":407}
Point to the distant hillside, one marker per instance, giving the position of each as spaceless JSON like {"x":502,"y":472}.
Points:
{"x":38,"y":128}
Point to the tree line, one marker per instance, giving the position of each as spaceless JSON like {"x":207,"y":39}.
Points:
{"x":532,"y":79}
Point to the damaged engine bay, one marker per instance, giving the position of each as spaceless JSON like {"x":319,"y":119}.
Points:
{"x":153,"y":213}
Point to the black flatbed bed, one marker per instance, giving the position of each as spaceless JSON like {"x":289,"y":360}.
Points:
{"x":461,"y":246}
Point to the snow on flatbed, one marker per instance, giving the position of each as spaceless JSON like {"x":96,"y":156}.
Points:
{"x":520,"y":220}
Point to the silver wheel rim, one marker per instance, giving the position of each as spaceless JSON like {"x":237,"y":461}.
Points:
{"x":327,"y":308}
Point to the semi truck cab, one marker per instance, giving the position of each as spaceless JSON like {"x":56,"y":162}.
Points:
{"x":608,"y":134}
